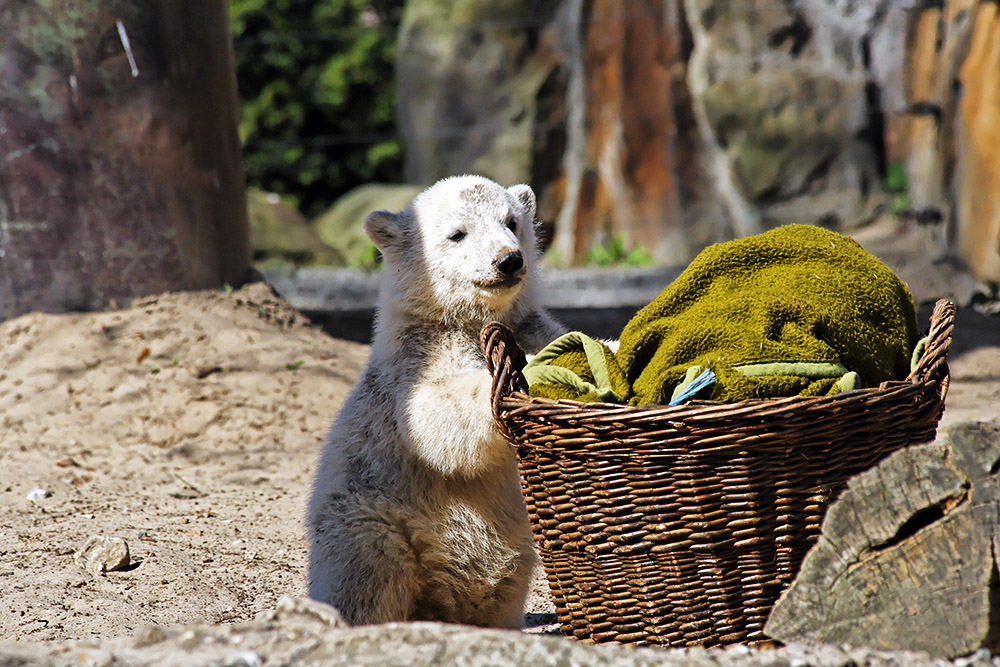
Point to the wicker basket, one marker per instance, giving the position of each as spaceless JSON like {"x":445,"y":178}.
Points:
{"x":681,"y":525}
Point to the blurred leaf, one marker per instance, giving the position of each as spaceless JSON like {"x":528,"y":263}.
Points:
{"x":614,"y":253}
{"x":895,"y":177}
{"x":900,"y":204}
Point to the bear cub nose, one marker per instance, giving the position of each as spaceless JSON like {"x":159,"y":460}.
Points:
{"x":509,"y":263}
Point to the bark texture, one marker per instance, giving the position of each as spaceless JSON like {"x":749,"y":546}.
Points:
{"x":907,"y":557}
{"x":120,"y":168}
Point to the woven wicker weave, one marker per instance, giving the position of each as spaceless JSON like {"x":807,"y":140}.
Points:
{"x":682,"y":525}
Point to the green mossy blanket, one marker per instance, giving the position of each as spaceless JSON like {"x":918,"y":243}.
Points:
{"x":798,"y":310}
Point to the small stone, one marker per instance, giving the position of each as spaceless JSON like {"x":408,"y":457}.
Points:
{"x":303,"y":613}
{"x":202,"y":371}
{"x":148,"y":635}
{"x":247,"y":659}
{"x":103,"y":554}
{"x":191,"y":639}
{"x":36,"y":495}
{"x":983,"y":654}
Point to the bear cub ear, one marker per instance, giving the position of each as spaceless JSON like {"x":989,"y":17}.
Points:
{"x":385,"y":229}
{"x":524,"y":196}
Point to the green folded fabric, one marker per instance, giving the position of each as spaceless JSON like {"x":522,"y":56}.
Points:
{"x":801,"y":378}
{"x":798,"y":310}
{"x":577,"y":367}
{"x":793,"y":294}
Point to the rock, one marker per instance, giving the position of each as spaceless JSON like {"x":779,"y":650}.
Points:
{"x":279,"y":232}
{"x":943,"y":124}
{"x":921,"y":123}
{"x":36,"y":495}
{"x":310,"y":633}
{"x":977,"y":169}
{"x":341,"y":227}
{"x":632,"y":166}
{"x":907,"y":557}
{"x":303,"y":613}
{"x":473,"y":80}
{"x":103,"y":554}
{"x":677,"y":123}
{"x":780,"y":96}
{"x":587,"y":102}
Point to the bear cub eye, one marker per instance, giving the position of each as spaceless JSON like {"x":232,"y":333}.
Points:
{"x":511,"y":223}
{"x":456,"y":236}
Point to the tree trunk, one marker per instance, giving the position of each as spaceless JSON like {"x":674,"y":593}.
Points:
{"x":120,"y":169}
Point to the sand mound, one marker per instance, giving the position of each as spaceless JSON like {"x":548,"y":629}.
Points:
{"x":188,"y":425}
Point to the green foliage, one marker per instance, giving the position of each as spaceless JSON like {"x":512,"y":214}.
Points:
{"x":896,"y":184}
{"x":554,"y":259}
{"x":317,"y":95}
{"x":895,"y":177}
{"x":368,"y":258}
{"x":900,"y":204}
{"x":614,"y":253}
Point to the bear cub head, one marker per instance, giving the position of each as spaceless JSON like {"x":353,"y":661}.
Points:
{"x":463,"y":250}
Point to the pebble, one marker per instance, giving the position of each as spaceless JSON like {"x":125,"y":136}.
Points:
{"x":38,"y":494}
{"x":103,"y":554}
{"x":148,"y":636}
{"x":247,"y":658}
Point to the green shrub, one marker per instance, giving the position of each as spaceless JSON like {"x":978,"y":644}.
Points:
{"x":895,"y":177}
{"x":317,"y":95}
{"x":614,"y":253}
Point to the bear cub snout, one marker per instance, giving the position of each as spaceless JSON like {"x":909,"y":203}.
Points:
{"x":509,"y":263}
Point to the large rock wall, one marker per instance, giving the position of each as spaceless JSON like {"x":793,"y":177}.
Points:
{"x":472,"y":80}
{"x":780,"y":92}
{"x":676,"y":123}
{"x":944,"y":125}
{"x":624,"y":174}
{"x":977,"y":171}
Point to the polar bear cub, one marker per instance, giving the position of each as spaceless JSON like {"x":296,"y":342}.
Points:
{"x":416,"y":511}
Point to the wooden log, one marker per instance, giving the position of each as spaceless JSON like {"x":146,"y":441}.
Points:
{"x":120,"y":171}
{"x":907,"y":555}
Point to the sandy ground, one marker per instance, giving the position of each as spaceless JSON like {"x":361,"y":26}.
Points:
{"x":188,"y":424}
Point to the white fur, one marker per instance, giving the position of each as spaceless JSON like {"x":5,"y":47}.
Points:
{"x":416,"y":511}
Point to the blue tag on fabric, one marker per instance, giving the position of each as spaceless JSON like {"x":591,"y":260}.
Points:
{"x":705,"y":378}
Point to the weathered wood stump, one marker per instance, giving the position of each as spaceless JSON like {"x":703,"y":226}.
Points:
{"x":120,"y":170}
{"x":907,"y":555}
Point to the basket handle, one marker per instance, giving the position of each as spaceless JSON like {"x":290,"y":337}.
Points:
{"x":933,"y":363}
{"x":504,"y":360}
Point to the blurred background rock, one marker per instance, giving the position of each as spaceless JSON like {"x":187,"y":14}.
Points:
{"x":660,"y":126}
{"x":648,"y":130}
